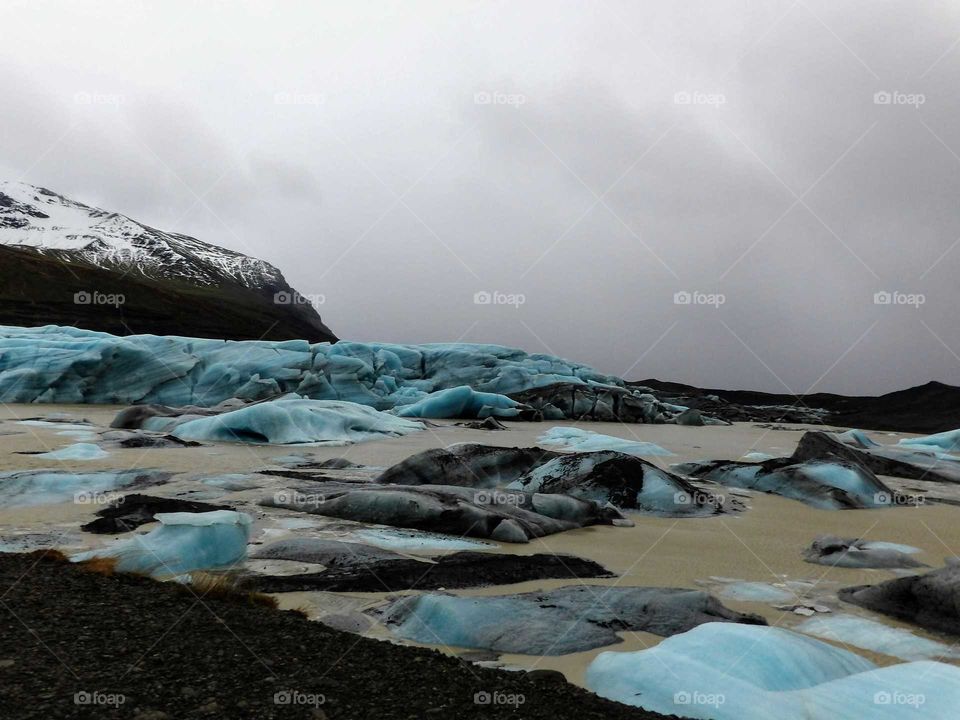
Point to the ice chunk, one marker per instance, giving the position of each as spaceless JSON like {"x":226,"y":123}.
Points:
{"x":876,"y":637}
{"x":947,"y":441}
{"x":293,"y":421}
{"x":577,"y":440}
{"x":757,"y":457}
{"x":417,"y":542}
{"x":857,"y":438}
{"x":183,"y":543}
{"x":44,"y":487}
{"x":738,"y":672}
{"x":557,"y":622}
{"x":461,"y":402}
{"x":756,"y":592}
{"x":78,"y":451}
{"x":231,"y":481}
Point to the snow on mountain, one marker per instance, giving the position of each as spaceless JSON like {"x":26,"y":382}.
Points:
{"x":52,"y":224}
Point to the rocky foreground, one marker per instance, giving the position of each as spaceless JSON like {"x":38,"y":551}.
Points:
{"x":74,"y":644}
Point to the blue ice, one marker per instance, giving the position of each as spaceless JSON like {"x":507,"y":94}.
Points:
{"x":577,"y":440}
{"x":184,"y":542}
{"x":461,"y":402}
{"x":945,"y":441}
{"x":45,"y":487}
{"x":876,"y":637}
{"x":77,"y":451}
{"x":756,"y":592}
{"x":297,"y":421}
{"x":728,"y":671}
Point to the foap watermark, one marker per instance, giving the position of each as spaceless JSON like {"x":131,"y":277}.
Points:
{"x":99,"y":698}
{"x":698,"y":498}
{"x":499,"y":698}
{"x":94,"y":297}
{"x":697,"y":97}
{"x":295,"y":298}
{"x":494,"y":97}
{"x":898,"y":499}
{"x":895,"y":297}
{"x":295,"y":697}
{"x":895,"y":97}
{"x":695,"y":697}
{"x":298,"y":98}
{"x":96,"y":98}
{"x":89,"y":497}
{"x":298,"y":499}
{"x":895,"y":697}
{"x":686,"y":297}
{"x":498,"y":497}
{"x":485,"y":297}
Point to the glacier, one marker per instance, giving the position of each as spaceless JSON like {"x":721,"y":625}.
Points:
{"x":55,"y":364}
{"x":579,"y":440}
{"x":726,"y":671}
{"x":184,"y":542}
{"x":461,"y":402}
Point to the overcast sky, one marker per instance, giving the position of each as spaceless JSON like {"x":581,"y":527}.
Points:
{"x":582,"y":162}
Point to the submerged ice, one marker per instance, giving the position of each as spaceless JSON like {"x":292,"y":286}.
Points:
{"x":578,"y":440}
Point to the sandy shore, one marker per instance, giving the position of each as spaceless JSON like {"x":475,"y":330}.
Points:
{"x":762,"y":544}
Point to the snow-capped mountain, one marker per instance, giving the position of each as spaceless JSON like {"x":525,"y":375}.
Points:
{"x":50,"y":223}
{"x":58,"y":257}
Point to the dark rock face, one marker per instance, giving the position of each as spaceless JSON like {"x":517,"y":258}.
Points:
{"x":855,"y":553}
{"x":453,"y":510}
{"x":881,"y":459}
{"x":931,"y":601}
{"x":561,"y":621}
{"x":365,"y":572}
{"x":37,"y":289}
{"x":468,"y":465}
{"x":132,"y":511}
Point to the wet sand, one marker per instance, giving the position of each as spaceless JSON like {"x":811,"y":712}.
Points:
{"x":761,"y":544}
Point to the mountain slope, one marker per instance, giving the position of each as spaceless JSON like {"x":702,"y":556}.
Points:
{"x":67,"y":263}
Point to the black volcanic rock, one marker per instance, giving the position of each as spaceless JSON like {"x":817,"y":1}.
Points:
{"x":54,"y":251}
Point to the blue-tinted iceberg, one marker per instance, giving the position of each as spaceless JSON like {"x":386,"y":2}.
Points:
{"x":45,"y":487}
{"x":945,"y":441}
{"x":877,"y":637}
{"x":756,"y":592}
{"x":77,"y":451}
{"x":289,"y":421}
{"x":577,"y":440}
{"x":461,"y":402}
{"x":724,"y":671}
{"x":184,"y":542}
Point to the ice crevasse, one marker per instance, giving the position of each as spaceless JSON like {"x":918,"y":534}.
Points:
{"x":68,"y":365}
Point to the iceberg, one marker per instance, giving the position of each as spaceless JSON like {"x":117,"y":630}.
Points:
{"x":726,"y":671}
{"x":184,"y":542}
{"x":289,"y":421}
{"x":756,"y":592}
{"x":946,"y":441}
{"x":565,"y":620}
{"x":46,"y":487}
{"x":577,"y":440}
{"x":461,"y":402}
{"x":77,"y":451}
{"x":876,"y":637}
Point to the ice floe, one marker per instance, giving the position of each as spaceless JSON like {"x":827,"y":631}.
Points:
{"x":876,"y":637}
{"x":44,"y":487}
{"x":77,"y":451}
{"x":579,"y":440}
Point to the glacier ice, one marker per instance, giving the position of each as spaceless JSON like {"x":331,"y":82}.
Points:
{"x":461,"y":402}
{"x":946,"y":441}
{"x":876,"y":637}
{"x":834,"y":551}
{"x":756,"y":592}
{"x":579,"y":440}
{"x":288,"y":421}
{"x":416,"y":542}
{"x":725,"y":671}
{"x":69,"y":365}
{"x":560,"y":621}
{"x":77,"y":451}
{"x":184,"y":542}
{"x":45,"y":487}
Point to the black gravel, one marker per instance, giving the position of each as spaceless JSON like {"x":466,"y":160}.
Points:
{"x":167,"y":653}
